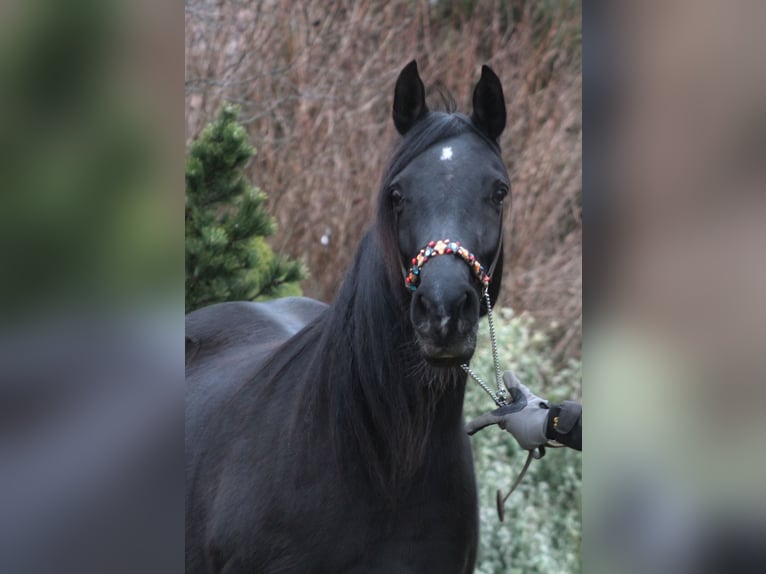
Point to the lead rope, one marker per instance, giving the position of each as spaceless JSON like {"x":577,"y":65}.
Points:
{"x":500,"y":499}
{"x":501,"y":395}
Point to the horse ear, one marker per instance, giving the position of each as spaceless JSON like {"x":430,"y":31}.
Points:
{"x":489,"y":104}
{"x":409,"y":98}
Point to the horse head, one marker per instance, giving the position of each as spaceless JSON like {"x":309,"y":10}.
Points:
{"x":443,"y":199}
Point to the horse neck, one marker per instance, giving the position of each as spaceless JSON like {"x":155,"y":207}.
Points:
{"x":385,"y":405}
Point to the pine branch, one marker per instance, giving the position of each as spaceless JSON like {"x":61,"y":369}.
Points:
{"x":226,"y":222}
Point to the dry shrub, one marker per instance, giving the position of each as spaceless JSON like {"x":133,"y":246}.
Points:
{"x":315,"y":82}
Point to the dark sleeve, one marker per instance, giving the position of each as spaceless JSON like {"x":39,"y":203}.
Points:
{"x":565,"y":424}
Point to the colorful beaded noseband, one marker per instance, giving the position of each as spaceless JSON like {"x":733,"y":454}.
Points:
{"x":444,"y":247}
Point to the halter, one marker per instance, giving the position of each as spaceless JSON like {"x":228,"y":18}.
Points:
{"x":444,"y":247}
{"x":447,"y":247}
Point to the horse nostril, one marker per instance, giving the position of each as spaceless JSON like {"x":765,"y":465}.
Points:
{"x":421,"y":305}
{"x":466,"y":304}
{"x":462,"y":307}
{"x":462,"y":303}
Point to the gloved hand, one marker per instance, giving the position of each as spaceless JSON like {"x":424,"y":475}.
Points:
{"x":532,"y":420}
{"x":527,"y":425}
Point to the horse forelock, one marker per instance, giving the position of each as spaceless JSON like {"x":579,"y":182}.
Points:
{"x":435,"y":127}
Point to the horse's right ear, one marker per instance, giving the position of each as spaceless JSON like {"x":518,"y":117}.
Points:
{"x":409,"y":99}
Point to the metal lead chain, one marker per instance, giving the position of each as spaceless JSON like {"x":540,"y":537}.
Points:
{"x":482,"y":384}
{"x":501,"y":395}
{"x":501,"y":392}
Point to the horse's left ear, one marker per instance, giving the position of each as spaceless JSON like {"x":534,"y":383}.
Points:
{"x":489,"y":104}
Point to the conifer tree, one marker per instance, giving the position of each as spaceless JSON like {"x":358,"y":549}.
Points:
{"x":227,"y":257}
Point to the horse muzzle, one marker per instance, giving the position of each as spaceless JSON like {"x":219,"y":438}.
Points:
{"x":445,"y":313}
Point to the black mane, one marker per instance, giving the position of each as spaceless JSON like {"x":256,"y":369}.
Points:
{"x":380,"y":394}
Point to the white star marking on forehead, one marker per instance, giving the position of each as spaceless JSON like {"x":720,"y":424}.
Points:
{"x":446,"y":153}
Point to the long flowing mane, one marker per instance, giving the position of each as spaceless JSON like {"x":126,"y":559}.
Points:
{"x":368,"y":383}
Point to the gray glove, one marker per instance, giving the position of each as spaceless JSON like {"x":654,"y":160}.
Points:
{"x":527,"y":424}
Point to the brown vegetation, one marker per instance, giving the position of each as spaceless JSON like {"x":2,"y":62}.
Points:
{"x":315,"y":82}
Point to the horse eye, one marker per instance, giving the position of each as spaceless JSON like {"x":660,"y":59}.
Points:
{"x":396,"y":196}
{"x":499,"y":194}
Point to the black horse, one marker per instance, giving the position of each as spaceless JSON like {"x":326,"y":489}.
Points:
{"x":327,"y":439}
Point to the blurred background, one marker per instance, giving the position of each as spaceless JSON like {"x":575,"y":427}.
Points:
{"x":675,"y":344}
{"x":91,"y":268}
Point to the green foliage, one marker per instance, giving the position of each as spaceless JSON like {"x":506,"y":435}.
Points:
{"x":542,"y":528}
{"x":226,"y":220}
